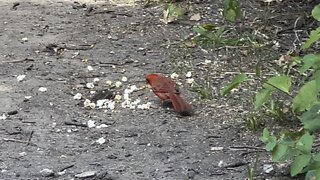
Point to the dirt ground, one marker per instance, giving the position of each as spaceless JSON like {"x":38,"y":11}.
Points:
{"x":63,"y":45}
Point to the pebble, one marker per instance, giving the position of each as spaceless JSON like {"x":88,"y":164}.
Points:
{"x":47,"y":172}
{"x":86,"y":174}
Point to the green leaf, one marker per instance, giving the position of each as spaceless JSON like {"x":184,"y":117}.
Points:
{"x":317,"y":157}
{"x":200,"y":30}
{"x":308,"y":61}
{"x":311,"y":118}
{"x":272,"y":143}
{"x":232,"y":10}
{"x":230,"y":15}
{"x":234,"y":83}
{"x":317,"y":78}
{"x":258,"y":70}
{"x":316,"y":12}
{"x":305,"y":143}
{"x":261,"y":98}
{"x":265,"y":135}
{"x":279,"y":151}
{"x":313,"y":175}
{"x":306,"y":97}
{"x":314,"y":37}
{"x":299,"y":163}
{"x":282,"y":83}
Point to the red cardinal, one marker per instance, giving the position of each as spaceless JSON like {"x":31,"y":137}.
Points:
{"x":166,"y":89}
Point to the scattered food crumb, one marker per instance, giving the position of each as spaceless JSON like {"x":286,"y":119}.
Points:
{"x":77,"y":96}
{"x":101,"y":140}
{"x":25,"y":39}
{"x":190,"y":80}
{"x":216,"y":148}
{"x":189,"y":74}
{"x":91,"y":124}
{"x":90,"y":68}
{"x":90,"y":85}
{"x":174,"y":75}
{"x":21,"y":77}
{"x":3,"y":117}
{"x":95,"y":80}
{"x":42,"y":89}
{"x":22,"y":154}
{"x":124,"y":79}
{"x":102,"y":126}
{"x":28,"y":97}
{"x":88,"y":103}
{"x":118,"y":84}
{"x":109,"y":83}
{"x":207,"y":61}
{"x":117,"y":97}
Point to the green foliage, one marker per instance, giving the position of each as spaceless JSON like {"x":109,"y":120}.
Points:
{"x":172,"y":13}
{"x":175,"y":11}
{"x":306,"y":97}
{"x":211,"y":35}
{"x":311,"y":118}
{"x":234,"y":83}
{"x":232,"y":10}
{"x":316,"y":12}
{"x":290,"y":147}
{"x":315,"y":34}
{"x":204,"y":91}
{"x":302,"y":102}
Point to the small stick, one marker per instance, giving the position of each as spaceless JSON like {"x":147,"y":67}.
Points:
{"x":17,"y":141}
{"x":244,"y":147}
{"x":30,"y":136}
{"x":69,"y":123}
{"x":66,"y":167}
{"x":17,"y":61}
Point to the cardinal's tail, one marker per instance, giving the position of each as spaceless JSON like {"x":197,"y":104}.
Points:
{"x":180,"y":105}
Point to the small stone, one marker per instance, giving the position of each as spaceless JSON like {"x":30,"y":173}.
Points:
{"x":21,"y":78}
{"x":22,"y":154}
{"x":25,"y":39}
{"x":47,"y":172}
{"x":217,"y":148}
{"x":221,"y":163}
{"x":42,"y":89}
{"x":268,"y":168}
{"x":86,"y":174}
{"x":90,"y":68}
{"x":191,"y":173}
{"x":12,"y":112}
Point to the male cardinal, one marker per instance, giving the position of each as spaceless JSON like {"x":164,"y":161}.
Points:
{"x":166,"y":89}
